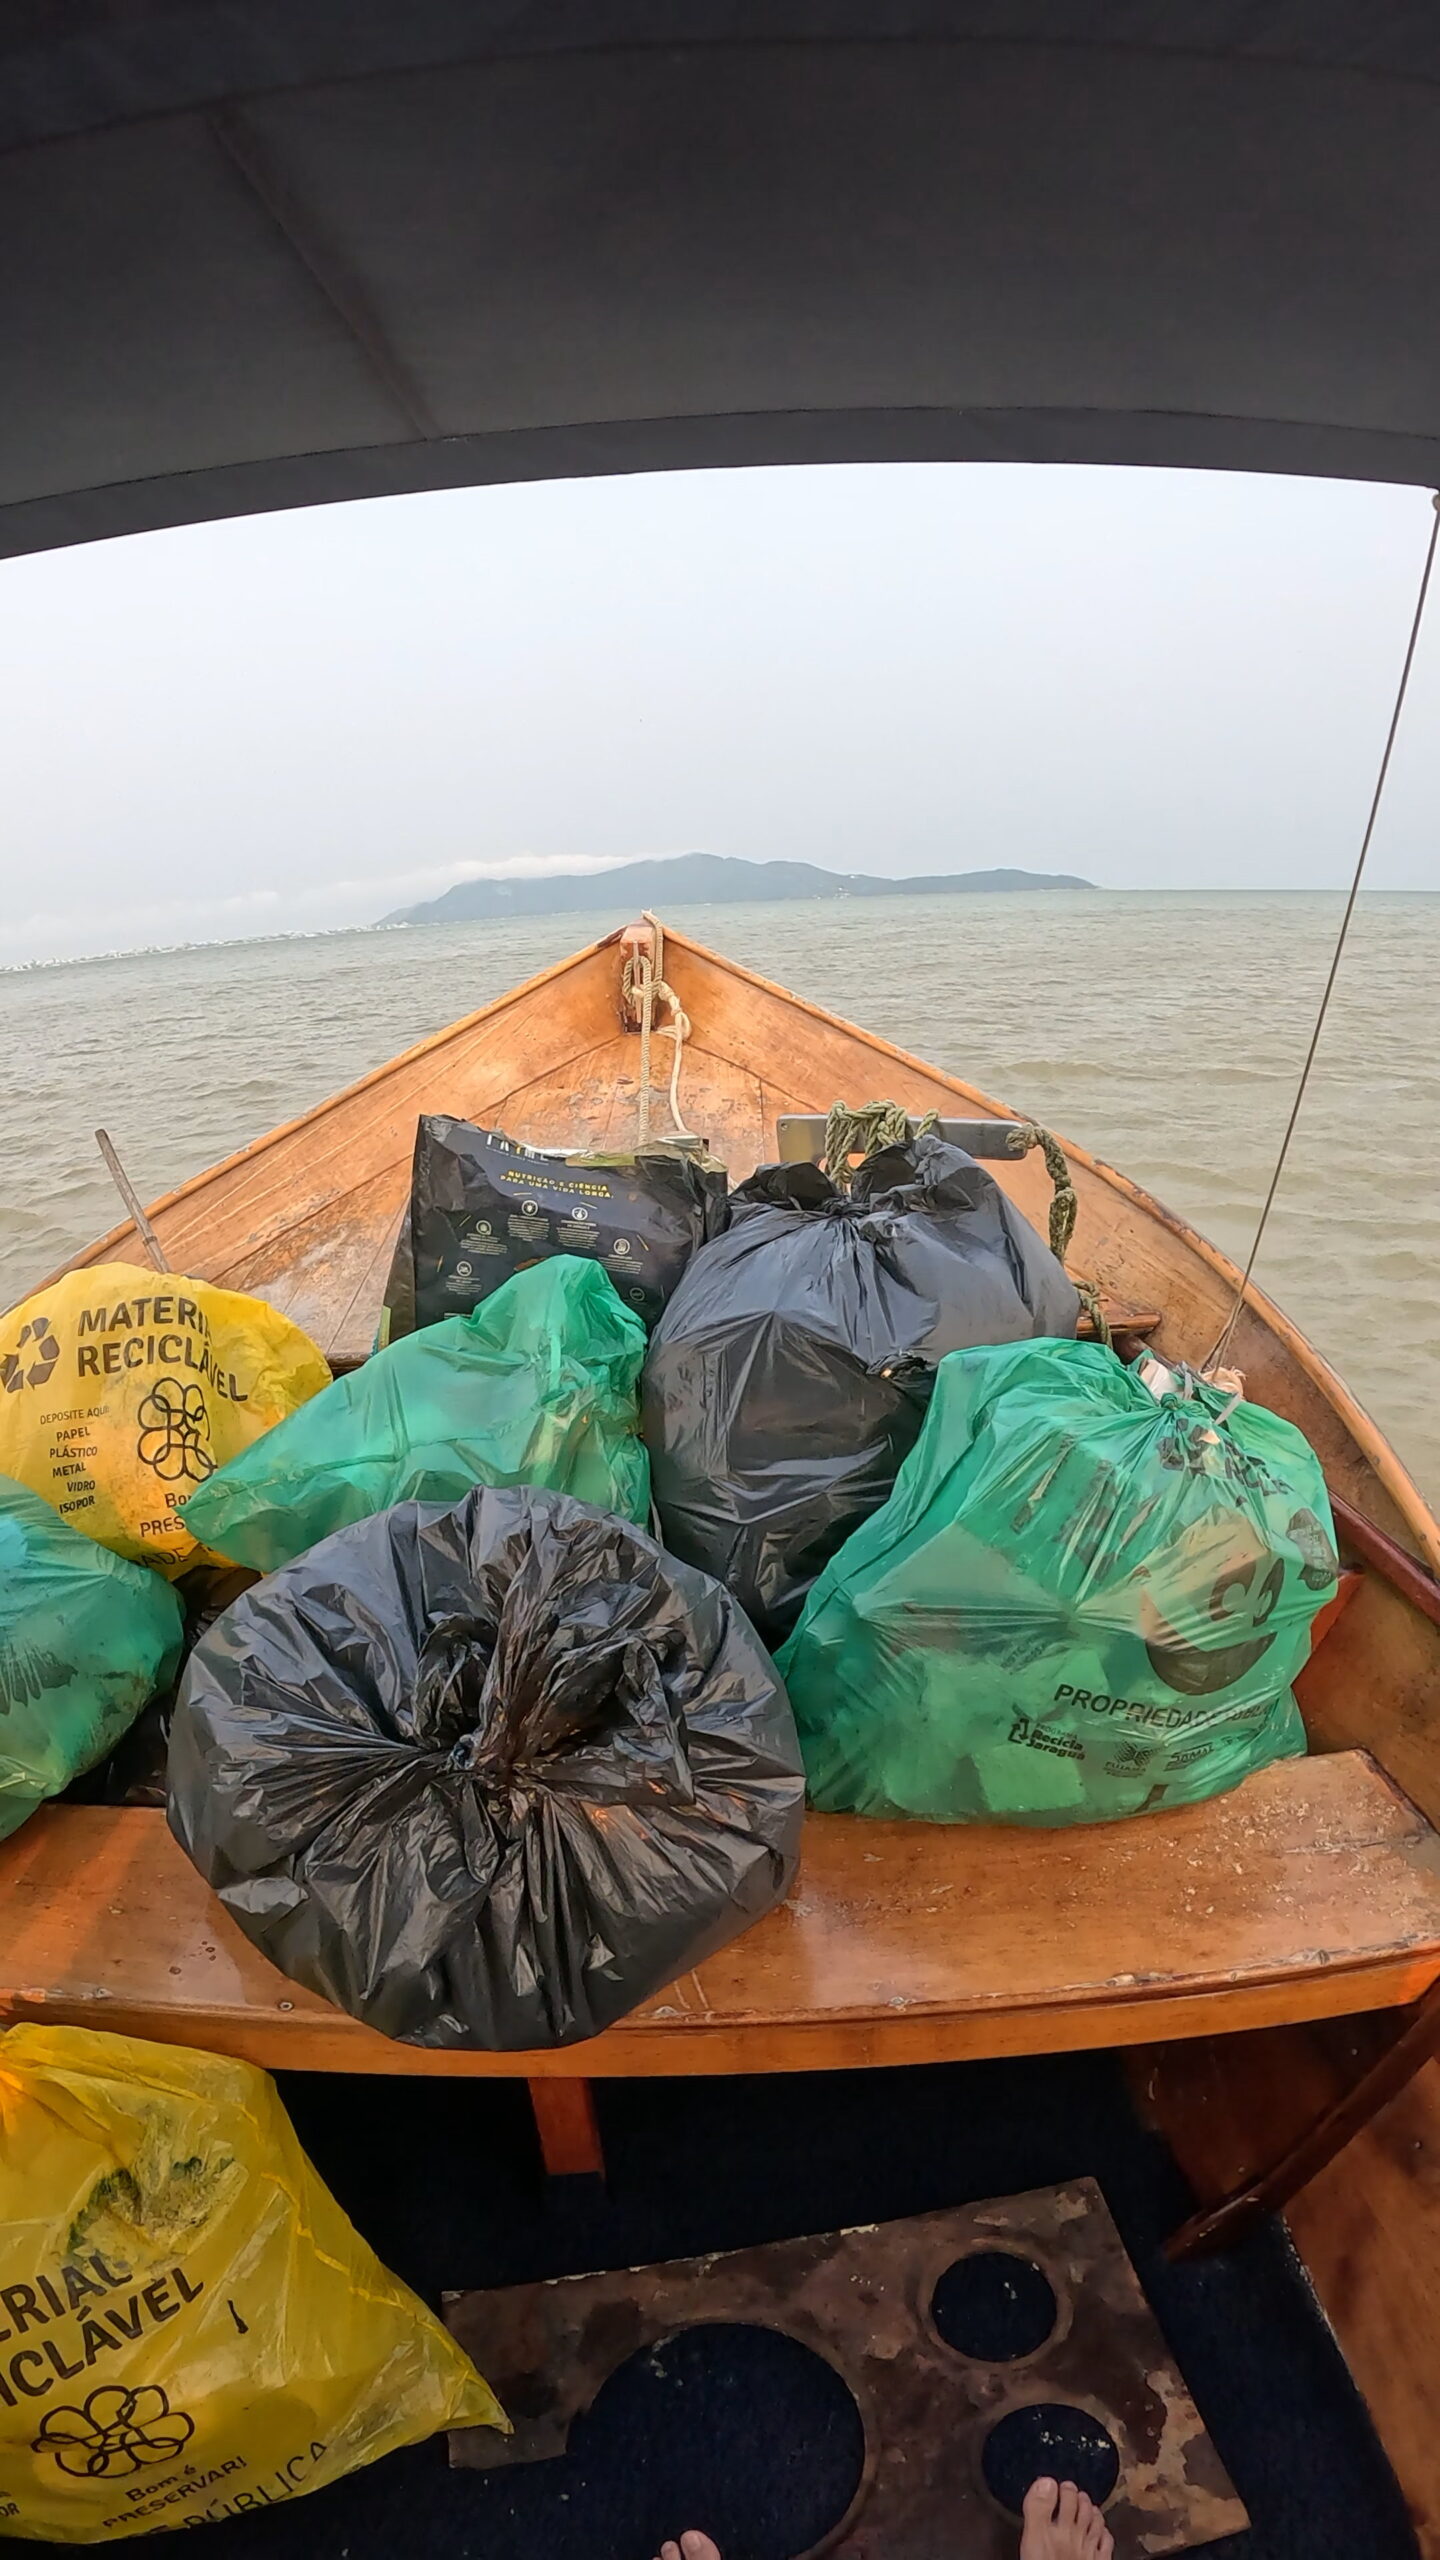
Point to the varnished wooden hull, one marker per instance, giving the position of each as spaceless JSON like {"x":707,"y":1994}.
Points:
{"x":306,"y":1217}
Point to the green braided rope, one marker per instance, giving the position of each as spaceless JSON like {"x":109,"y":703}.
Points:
{"x":1089,"y":1297}
{"x":1064,"y":1205}
{"x":884,"y":1124}
{"x":866,"y":1131}
{"x":1063,"y":1209}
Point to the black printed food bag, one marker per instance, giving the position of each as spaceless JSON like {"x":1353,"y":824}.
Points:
{"x":483,"y":1207}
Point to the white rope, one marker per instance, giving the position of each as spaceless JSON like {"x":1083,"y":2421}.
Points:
{"x":643,"y":986}
{"x":1223,"y":1342}
{"x":678,"y":1030}
{"x":645,"y":995}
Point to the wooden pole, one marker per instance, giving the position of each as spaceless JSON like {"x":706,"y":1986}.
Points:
{"x":130,"y":1196}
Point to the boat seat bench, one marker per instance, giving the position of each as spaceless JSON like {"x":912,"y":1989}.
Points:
{"x":1312,"y":1891}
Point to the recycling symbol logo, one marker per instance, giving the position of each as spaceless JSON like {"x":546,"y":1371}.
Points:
{"x":32,"y":1362}
{"x":174,"y":1426}
{"x":115,"y":2433}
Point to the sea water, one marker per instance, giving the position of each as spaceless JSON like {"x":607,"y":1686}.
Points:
{"x":1164,"y":1032}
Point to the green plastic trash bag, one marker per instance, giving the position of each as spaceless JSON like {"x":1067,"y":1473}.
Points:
{"x":86,"y":1637}
{"x":537,"y":1386}
{"x":1080,"y":1601}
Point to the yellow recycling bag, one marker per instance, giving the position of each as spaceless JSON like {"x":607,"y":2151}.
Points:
{"x":121,"y":1390}
{"x":190,"y":2328}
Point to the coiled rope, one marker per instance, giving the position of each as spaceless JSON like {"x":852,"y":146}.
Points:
{"x":1222,"y":1342}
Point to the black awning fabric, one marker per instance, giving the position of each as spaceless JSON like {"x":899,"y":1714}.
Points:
{"x":296,"y":251}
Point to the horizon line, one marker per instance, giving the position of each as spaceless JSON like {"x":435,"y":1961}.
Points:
{"x":480,"y":924}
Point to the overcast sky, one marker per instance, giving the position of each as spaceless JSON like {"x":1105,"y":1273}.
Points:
{"x":1157,"y":679}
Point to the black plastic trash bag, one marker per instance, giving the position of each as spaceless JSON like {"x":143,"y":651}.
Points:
{"x":788,"y":1377}
{"x":483,"y":1207}
{"x":487,"y":1776}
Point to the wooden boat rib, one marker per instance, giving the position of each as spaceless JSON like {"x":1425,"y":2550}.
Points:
{"x":1304,"y":1909}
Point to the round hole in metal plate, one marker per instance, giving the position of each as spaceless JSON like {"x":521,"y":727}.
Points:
{"x":1051,"y":2439}
{"x":994,"y":2306}
{"x":732,"y":2427}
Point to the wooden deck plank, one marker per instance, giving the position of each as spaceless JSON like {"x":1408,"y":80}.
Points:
{"x":1312,"y":1891}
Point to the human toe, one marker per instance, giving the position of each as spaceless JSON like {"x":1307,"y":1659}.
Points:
{"x":1040,"y":2497}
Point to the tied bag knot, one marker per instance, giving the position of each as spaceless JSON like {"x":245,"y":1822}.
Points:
{"x":487,"y":1777}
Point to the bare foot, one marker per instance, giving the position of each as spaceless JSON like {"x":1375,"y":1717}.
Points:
{"x":695,"y":2546}
{"x":1061,"y":2523}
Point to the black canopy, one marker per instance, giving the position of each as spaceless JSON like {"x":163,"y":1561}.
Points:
{"x":263,"y":253}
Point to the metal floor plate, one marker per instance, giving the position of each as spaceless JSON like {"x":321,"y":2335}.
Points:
{"x":862,"y":2300}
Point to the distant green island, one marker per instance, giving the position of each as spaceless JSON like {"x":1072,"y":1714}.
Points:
{"x":702,"y":879}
